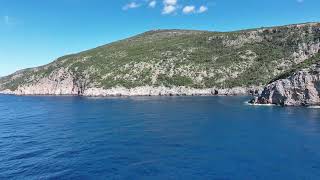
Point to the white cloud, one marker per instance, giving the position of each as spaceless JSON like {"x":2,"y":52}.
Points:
{"x":131,"y":5}
{"x":170,"y":6}
{"x":202,"y":9}
{"x":152,"y":4}
{"x":169,"y":9}
{"x":189,"y":9}
{"x":170,"y":2}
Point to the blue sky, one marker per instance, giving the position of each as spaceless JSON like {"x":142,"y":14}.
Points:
{"x":35,"y":32}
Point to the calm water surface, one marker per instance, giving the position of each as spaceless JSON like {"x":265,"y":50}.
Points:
{"x":156,"y":138}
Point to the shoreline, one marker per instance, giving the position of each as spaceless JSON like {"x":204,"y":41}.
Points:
{"x":137,"y":91}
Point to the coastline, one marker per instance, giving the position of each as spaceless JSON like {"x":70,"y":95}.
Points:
{"x":137,"y":91}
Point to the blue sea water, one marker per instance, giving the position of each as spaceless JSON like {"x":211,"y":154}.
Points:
{"x":156,"y":138}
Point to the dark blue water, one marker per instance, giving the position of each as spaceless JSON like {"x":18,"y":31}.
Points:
{"x":156,"y":138}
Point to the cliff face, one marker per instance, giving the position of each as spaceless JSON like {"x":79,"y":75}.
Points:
{"x":60,"y":82}
{"x":174,"y":62}
{"x":301,"y":88}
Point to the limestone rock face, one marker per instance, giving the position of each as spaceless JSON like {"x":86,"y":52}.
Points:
{"x":60,"y":82}
{"x":302,"y":88}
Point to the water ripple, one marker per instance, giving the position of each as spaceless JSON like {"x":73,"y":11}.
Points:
{"x":156,"y":138}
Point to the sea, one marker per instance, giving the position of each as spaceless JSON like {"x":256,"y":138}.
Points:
{"x":162,"y":138}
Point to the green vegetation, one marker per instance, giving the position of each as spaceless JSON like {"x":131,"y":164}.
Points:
{"x":305,"y":64}
{"x":186,"y":58}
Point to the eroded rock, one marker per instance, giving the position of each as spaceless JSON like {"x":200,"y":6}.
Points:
{"x":302,"y":88}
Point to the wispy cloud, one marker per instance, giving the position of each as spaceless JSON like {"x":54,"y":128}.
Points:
{"x":191,"y":9}
{"x":131,"y":5}
{"x":169,"y":9}
{"x":202,"y":9}
{"x":168,"y":6}
{"x":152,"y":4}
{"x":170,"y":2}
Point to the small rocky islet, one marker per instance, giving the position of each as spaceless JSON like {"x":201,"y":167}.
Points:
{"x":278,"y":64}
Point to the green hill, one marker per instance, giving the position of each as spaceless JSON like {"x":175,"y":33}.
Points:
{"x":171,"y":58}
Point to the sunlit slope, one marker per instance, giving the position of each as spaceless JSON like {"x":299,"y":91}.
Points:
{"x":197,"y":59}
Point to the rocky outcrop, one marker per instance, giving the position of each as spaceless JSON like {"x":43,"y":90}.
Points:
{"x":60,"y":82}
{"x":302,"y":88}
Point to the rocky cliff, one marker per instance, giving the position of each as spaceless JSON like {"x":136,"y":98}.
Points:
{"x":174,"y":62}
{"x":301,"y":88}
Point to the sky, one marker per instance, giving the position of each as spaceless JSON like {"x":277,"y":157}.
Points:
{"x":36,"y":32}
